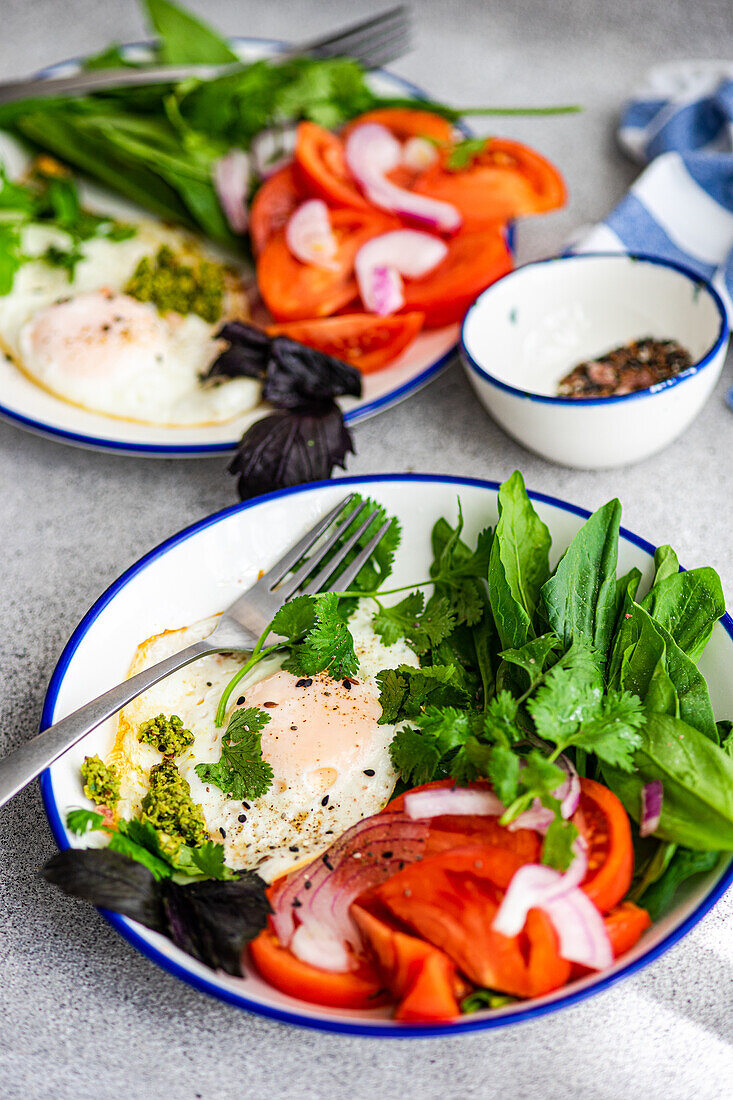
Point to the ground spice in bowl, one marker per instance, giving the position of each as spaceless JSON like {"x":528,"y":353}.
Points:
{"x":635,"y":366}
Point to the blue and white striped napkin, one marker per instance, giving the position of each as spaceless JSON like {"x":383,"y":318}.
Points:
{"x":680,"y":124}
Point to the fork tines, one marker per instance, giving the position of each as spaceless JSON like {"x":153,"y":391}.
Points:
{"x":373,"y":42}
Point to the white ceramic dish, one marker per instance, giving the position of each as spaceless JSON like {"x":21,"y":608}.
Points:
{"x":198,"y":572}
{"x":28,"y":406}
{"x":524,"y":333}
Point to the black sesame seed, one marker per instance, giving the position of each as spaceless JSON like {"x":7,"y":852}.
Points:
{"x":327,"y":693}
{"x":208,"y":683}
{"x":240,"y":700}
{"x":347,"y":684}
{"x":369,"y":771}
{"x":387,"y":855}
{"x":297,"y":904}
{"x":328,"y":863}
{"x":308,"y":884}
{"x":306,"y":683}
{"x":324,"y":800}
{"x":293,"y":728}
{"x":328,"y":832}
{"x":246,"y":805}
{"x":242,"y":818}
{"x":222,"y":831}
{"x":293,"y":848}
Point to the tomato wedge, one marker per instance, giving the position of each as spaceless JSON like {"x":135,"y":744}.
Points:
{"x":421,"y":978}
{"x":278,"y":197}
{"x":474,"y":261}
{"x":625,"y":925}
{"x":362,"y":988}
{"x":294,"y":291}
{"x":320,"y":167}
{"x":507,"y":180}
{"x":365,"y":341}
{"x":406,"y":122}
{"x":451,"y":899}
{"x":457,"y":830}
{"x":604,"y":823}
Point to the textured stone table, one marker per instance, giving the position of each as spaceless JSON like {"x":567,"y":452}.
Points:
{"x":82,"y":1014}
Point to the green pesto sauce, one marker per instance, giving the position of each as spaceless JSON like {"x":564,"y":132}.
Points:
{"x":169,"y":808}
{"x":170,"y":284}
{"x":101,"y":783}
{"x":167,"y":735}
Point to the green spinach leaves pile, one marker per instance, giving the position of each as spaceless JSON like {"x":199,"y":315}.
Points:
{"x":521,"y":662}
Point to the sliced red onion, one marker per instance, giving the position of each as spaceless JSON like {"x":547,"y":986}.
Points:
{"x":652,"y":795}
{"x":418,"y":153}
{"x":317,"y":897}
{"x":537,"y":817}
{"x":568,"y":794}
{"x":231,"y":182}
{"x":371,"y":152}
{"x":309,"y":235}
{"x":272,"y":149}
{"x":380,"y":262}
{"x":441,"y":801}
{"x":579,"y":925}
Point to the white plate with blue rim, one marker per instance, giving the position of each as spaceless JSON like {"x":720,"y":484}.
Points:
{"x":197,"y":573}
{"x":31,"y":407}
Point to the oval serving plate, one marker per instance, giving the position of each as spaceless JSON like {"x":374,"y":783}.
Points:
{"x":31,"y":407}
{"x":197,"y":573}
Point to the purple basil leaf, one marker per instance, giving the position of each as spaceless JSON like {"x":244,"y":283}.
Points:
{"x":236,"y":362}
{"x":246,"y":336}
{"x":214,"y":921}
{"x":110,"y":880}
{"x":298,"y":374}
{"x":291,"y":448}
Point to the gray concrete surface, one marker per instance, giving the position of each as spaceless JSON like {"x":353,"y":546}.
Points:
{"x":84,"y":1016}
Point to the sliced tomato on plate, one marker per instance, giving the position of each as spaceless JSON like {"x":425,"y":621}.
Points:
{"x":506,"y":180}
{"x":451,"y":900}
{"x":320,"y":167}
{"x":360,"y":988}
{"x":278,"y":198}
{"x":294,"y":291}
{"x":364,"y":340}
{"x":625,"y":925}
{"x":474,"y":261}
{"x":603,"y":821}
{"x":406,"y":122}
{"x":420,"y":977}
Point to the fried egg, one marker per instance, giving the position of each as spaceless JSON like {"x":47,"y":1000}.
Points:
{"x":90,"y":344}
{"x":329,"y":755}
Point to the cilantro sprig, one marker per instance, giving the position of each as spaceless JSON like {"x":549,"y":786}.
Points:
{"x":241,"y":772}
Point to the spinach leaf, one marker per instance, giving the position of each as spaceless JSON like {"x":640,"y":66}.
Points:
{"x":518,"y":564}
{"x":687,"y":605}
{"x":697,"y":780}
{"x":666,"y":564}
{"x":658,"y":897}
{"x":580,"y":597}
{"x":184,"y":39}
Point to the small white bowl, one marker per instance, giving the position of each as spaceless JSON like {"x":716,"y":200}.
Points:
{"x":527,"y":330}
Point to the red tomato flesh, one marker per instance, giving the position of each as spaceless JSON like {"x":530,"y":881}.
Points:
{"x":364,"y":340}
{"x":604,"y":823}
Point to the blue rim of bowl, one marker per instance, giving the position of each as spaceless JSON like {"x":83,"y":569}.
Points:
{"x":379,"y":1030}
{"x":584,"y":403}
{"x":194,"y":450}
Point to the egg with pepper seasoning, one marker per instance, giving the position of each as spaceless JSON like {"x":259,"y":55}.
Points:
{"x":328,"y":753}
{"x":131,"y":330}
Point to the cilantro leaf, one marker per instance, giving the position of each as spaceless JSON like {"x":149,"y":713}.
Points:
{"x":406,"y":691}
{"x":84,"y":821}
{"x":459,"y":573}
{"x":295,"y":619}
{"x":209,"y":859}
{"x":414,"y":755}
{"x":557,"y":847}
{"x":12,"y":257}
{"x":241,"y":772}
{"x":328,"y":646}
{"x":532,"y":658}
{"x":139,"y":841}
{"x":422,"y":628}
{"x":501,"y":768}
{"x":463,"y":154}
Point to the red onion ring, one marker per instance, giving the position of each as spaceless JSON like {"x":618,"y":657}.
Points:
{"x":371,"y":152}
{"x":272,"y":149}
{"x":380,"y":262}
{"x":309,"y":235}
{"x":652,"y":796}
{"x":231,"y":183}
{"x":442,"y":801}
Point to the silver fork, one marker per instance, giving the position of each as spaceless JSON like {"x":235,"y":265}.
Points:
{"x":238,"y":630}
{"x":373,"y":42}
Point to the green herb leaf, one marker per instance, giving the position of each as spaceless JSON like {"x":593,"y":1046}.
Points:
{"x":184,"y":39}
{"x":687,"y":605}
{"x":422,"y":628}
{"x":463,"y":154}
{"x":415,"y":756}
{"x":485,"y":998}
{"x":518,"y":565}
{"x":241,"y":772}
{"x":295,"y":619}
{"x":683,"y":865}
{"x":459,"y":573}
{"x":84,"y":821}
{"x":328,"y":647}
{"x":209,"y":859}
{"x":580,"y":597}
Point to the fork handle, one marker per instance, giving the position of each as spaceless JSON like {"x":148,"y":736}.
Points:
{"x":18,"y":768}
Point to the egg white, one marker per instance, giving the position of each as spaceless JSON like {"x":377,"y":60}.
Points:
{"x":91,"y":345}
{"x":322,"y":739}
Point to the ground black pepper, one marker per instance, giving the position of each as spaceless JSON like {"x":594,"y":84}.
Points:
{"x":634,"y":366}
